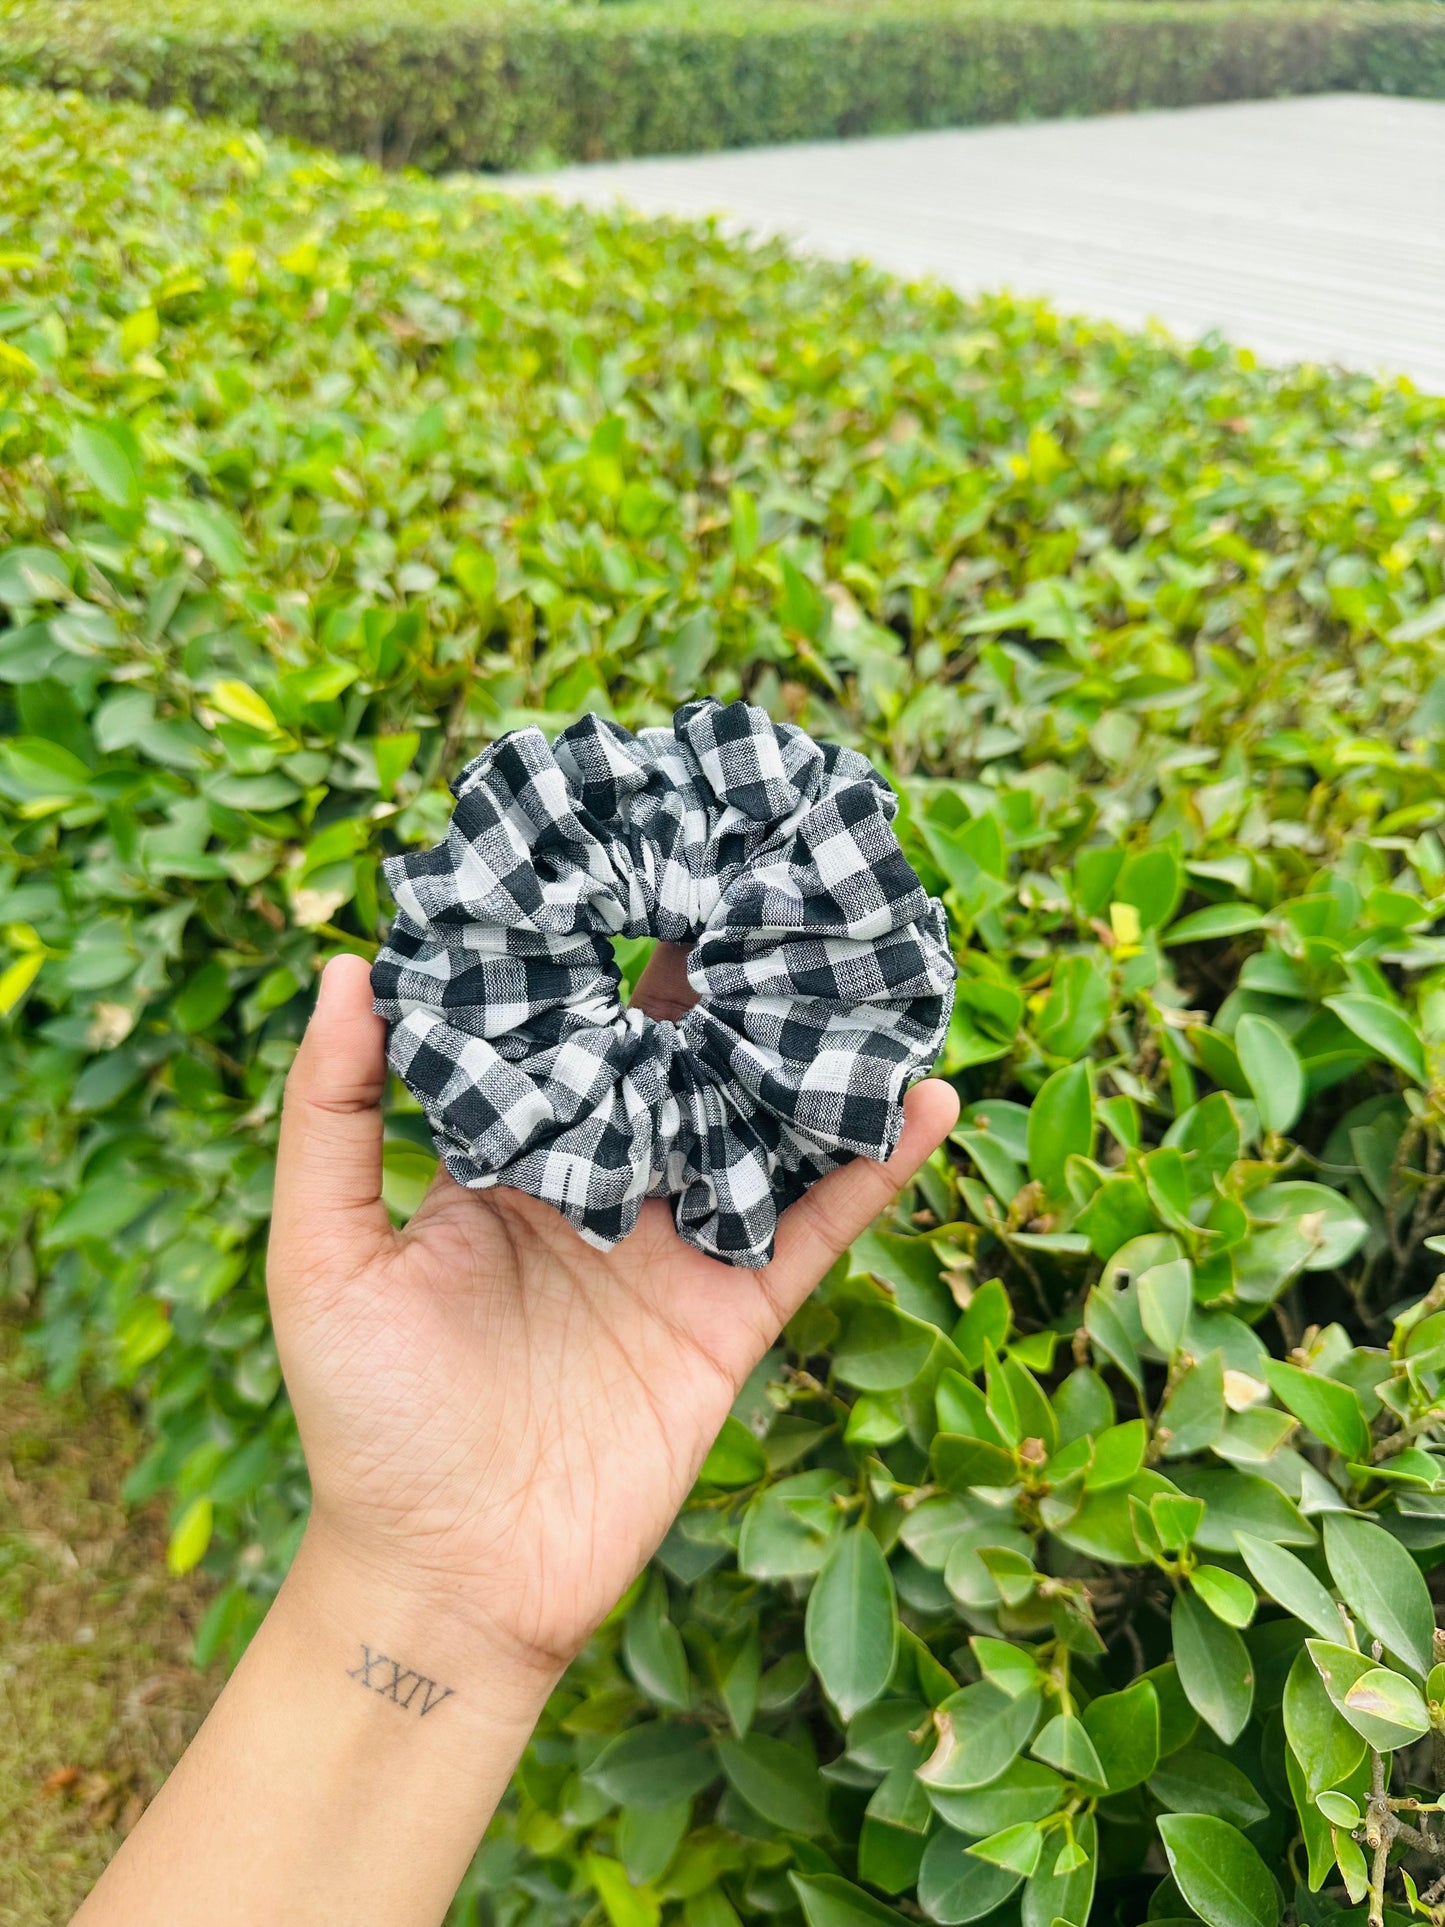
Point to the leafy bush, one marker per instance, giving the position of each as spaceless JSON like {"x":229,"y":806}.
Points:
{"x":471,"y":83}
{"x":1104,"y":1483}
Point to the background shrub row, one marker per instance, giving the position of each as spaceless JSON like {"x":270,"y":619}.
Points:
{"x":464,"y":87}
{"x":1073,"y":1556}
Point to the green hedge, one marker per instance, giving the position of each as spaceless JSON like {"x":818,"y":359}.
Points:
{"x":311,"y":481}
{"x":458,"y":85}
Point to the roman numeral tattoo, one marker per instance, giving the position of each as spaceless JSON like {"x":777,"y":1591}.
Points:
{"x":396,"y":1682}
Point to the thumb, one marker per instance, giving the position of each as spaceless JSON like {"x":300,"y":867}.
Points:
{"x":328,"y":1164}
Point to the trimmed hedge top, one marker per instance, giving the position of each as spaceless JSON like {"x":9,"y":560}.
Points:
{"x":1072,"y":1555}
{"x":468,"y":83}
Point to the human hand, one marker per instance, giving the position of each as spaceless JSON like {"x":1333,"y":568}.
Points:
{"x":501,"y":1422}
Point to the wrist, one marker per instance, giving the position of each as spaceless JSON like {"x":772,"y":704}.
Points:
{"x":423,"y":1646}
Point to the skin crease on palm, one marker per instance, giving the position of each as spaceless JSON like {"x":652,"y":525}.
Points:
{"x":494,"y":1413}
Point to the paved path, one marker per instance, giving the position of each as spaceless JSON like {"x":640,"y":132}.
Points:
{"x":1308,"y":229}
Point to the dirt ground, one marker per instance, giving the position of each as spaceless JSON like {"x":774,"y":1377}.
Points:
{"x":98,"y":1695}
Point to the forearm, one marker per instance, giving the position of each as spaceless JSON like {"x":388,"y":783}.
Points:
{"x":347,"y":1771}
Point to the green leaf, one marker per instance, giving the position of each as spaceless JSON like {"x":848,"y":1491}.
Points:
{"x":655,"y":1765}
{"x":777,"y":1780}
{"x":1388,"y":1709}
{"x":653,"y":1650}
{"x":895,"y":1829}
{"x":1118,"y":1211}
{"x":1387,"y":1031}
{"x":1027,"y":1790}
{"x":959,"y":1463}
{"x":1151,"y":880}
{"x":1077,"y":1007}
{"x":735,"y":1457}
{"x":1218,"y":920}
{"x":789,"y":1527}
{"x":1013,"y":1668}
{"x":1124,"y":1729}
{"x":829,"y":1901}
{"x":1327,"y":1747}
{"x":624,"y":1904}
{"x":1237,"y":1502}
{"x":190,"y":1536}
{"x":1170,"y":1523}
{"x":1061,"y":1126}
{"x":1227,"y":1596}
{"x":955,"y":1886}
{"x":1215,"y":1669}
{"x":981,"y":1730}
{"x":1339,"y":1809}
{"x":1016,"y":1849}
{"x":851,"y":1627}
{"x":1315,"y":1831}
{"x":1193,"y":1415}
{"x":1067,"y":1893}
{"x":1332,"y":1411}
{"x":205,"y":998}
{"x":1193,"y":1781}
{"x":1382,"y":1585}
{"x":1118,"y":1454}
{"x":1064,"y":1742}
{"x":881,"y":1348}
{"x":106,"y":458}
{"x":647,"y":1839}
{"x":1271,"y":1069}
{"x":1314,"y":1213}
{"x":1166,"y":1298}
{"x":1218,"y":1872}
{"x":1351,"y":1862}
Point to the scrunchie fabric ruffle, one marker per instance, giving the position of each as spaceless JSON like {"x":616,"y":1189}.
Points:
{"x":823,"y":972}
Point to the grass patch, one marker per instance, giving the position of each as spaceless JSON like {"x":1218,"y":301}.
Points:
{"x":98,"y":1689}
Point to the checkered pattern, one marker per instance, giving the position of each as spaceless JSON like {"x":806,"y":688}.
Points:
{"x":822,"y":969}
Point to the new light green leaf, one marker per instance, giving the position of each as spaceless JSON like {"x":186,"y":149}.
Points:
{"x":1054,"y":1893}
{"x":1063,"y":1742}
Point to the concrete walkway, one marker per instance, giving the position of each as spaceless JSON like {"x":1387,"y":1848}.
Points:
{"x":1309,"y":229}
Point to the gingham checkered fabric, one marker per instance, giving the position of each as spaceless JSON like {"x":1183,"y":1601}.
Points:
{"x":822,"y":968}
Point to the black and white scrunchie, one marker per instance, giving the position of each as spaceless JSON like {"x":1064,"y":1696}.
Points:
{"x":822,"y":968}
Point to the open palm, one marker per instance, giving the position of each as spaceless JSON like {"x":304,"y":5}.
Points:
{"x":494,"y":1413}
